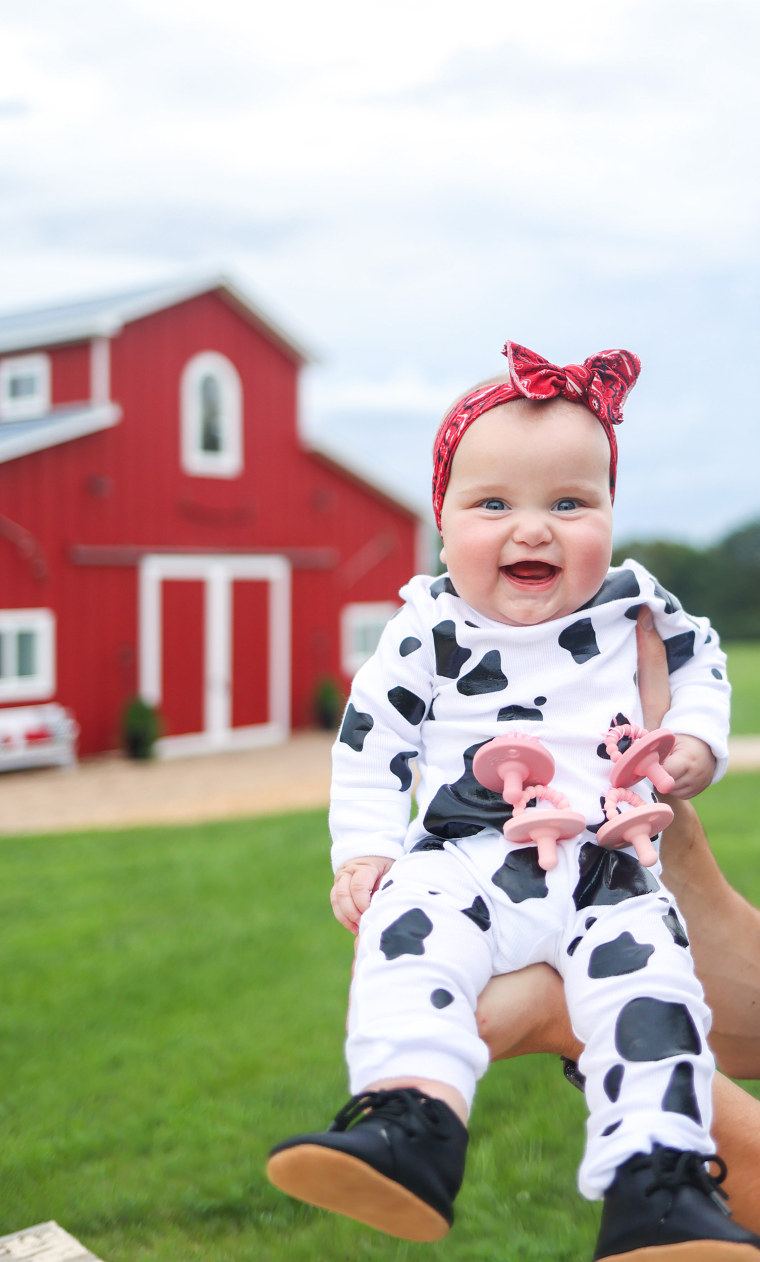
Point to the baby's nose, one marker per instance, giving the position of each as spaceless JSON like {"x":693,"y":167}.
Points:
{"x":531,"y":527}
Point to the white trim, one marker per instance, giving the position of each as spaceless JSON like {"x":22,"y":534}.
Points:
{"x":51,"y":329}
{"x":27,"y":407}
{"x":218,"y":632}
{"x":218,"y":573}
{"x":41,"y":685}
{"x":106,"y":316}
{"x":353,"y":619}
{"x":100,"y":370}
{"x":227,"y":462}
{"x":366,"y":472}
{"x":56,"y":429}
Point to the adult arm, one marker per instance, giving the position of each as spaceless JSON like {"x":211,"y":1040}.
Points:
{"x":723,"y":927}
{"x":526,"y":1011}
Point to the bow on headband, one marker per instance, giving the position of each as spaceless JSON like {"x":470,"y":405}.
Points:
{"x":602,"y":383}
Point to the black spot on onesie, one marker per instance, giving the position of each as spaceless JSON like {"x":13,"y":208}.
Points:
{"x":520,"y":876}
{"x":409,"y":705}
{"x":487,"y":676}
{"x":623,"y":955}
{"x":406,"y":935}
{"x":465,"y":807}
{"x":580,"y":641}
{"x":653,"y":1029}
{"x":355,"y":727}
{"x":680,"y":1096}
{"x":450,"y":656}
{"x":609,"y":876}
{"x":400,"y":767}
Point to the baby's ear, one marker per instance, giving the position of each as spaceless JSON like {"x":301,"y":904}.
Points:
{"x":443,"y":555}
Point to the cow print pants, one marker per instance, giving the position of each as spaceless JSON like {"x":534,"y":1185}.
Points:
{"x":442,"y":925}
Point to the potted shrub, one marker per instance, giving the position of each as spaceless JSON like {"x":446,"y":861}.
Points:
{"x":328,"y":702}
{"x":141,"y":728}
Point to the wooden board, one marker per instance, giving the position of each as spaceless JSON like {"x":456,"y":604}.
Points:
{"x":47,"y":1242}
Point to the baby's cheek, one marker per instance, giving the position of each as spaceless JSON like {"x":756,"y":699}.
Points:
{"x":592,"y":560}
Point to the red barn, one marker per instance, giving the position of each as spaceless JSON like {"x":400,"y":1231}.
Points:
{"x":165,"y":530}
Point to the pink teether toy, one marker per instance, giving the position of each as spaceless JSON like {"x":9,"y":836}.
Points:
{"x":507,"y":763}
{"x":544,"y":828}
{"x":635,"y":827}
{"x":643,"y":759}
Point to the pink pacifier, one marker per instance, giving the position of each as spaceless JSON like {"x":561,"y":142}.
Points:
{"x":531,"y":825}
{"x":642,"y":761}
{"x":635,"y":827}
{"x":507,"y":765}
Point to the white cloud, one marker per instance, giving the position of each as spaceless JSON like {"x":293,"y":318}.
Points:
{"x":413,"y":181}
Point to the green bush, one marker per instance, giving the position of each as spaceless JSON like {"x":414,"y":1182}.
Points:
{"x":140,"y":728}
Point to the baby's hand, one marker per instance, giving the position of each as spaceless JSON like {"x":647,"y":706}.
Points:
{"x":691,"y":763}
{"x":355,"y":883}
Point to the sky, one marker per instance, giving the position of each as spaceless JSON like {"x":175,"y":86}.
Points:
{"x":405,"y":186}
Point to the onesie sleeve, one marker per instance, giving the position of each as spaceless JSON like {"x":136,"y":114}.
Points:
{"x":380,"y":736}
{"x":700,"y":691}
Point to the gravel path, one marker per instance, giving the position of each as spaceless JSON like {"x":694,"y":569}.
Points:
{"x":113,"y":792}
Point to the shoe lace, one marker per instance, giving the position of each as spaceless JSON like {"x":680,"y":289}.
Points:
{"x":672,"y":1169}
{"x":402,"y":1105}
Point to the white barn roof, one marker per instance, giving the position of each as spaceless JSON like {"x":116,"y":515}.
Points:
{"x":106,"y":315}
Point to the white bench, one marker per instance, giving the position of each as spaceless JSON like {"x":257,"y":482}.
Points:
{"x":37,"y":736}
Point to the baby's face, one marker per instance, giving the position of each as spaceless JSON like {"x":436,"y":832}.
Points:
{"x":527,"y":515}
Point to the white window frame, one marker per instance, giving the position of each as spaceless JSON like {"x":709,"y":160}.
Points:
{"x":41,"y":624}
{"x":25,"y":407}
{"x":228,"y":461}
{"x":361,"y":625}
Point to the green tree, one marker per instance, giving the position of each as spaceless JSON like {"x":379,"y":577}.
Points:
{"x":721,"y":582}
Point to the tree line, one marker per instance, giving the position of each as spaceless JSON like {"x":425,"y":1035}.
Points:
{"x":721,"y":581}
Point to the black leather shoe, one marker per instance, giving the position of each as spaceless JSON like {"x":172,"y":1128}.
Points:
{"x":665,"y":1205}
{"x":397,"y":1168}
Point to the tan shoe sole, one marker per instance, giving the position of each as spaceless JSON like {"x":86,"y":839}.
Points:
{"x":689,"y":1251}
{"x":339,"y":1182}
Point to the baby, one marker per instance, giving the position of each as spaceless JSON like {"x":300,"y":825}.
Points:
{"x":530,"y":632}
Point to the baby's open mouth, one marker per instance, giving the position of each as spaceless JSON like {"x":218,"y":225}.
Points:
{"x":531,"y":573}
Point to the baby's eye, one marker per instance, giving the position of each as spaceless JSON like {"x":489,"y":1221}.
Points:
{"x":494,"y":504}
{"x":566,"y":505}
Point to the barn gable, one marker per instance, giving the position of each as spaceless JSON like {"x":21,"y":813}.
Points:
{"x":32,"y":418}
{"x":190,"y":545}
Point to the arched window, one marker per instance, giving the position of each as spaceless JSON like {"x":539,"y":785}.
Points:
{"x":211,"y":410}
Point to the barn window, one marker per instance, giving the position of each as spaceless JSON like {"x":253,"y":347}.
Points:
{"x":24,"y":387}
{"x":211,"y":410}
{"x":27,"y":654}
{"x":361,"y":626}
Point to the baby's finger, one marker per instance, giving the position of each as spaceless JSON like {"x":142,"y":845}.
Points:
{"x":343,"y":905}
{"x":363,"y":882}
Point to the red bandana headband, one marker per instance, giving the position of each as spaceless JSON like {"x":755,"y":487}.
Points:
{"x":602,"y":382}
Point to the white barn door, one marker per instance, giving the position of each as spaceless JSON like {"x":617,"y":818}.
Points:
{"x":214,"y":640}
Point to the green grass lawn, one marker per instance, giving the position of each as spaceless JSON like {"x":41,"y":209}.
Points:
{"x":173,"y":1003}
{"x":744,"y":673}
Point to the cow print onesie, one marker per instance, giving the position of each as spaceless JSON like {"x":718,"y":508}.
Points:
{"x":461,"y":904}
